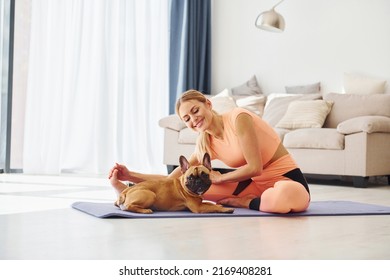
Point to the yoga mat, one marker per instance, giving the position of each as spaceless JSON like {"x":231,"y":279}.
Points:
{"x":316,"y":208}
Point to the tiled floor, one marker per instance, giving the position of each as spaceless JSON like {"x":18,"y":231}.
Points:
{"x":37,"y":223}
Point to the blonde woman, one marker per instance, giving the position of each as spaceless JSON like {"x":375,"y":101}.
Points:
{"x":265,"y":177}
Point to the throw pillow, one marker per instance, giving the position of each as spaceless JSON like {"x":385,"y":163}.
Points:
{"x":347,"y":106}
{"x":273,"y":96}
{"x":223,"y":102}
{"x":360,"y":84}
{"x":250,"y":87}
{"x":310,"y":88}
{"x":304,"y":114}
{"x":369,"y":124}
{"x":277,"y":104}
{"x":254,"y":103}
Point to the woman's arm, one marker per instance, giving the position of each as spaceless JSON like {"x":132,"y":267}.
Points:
{"x":249,"y":145}
{"x":125,"y":174}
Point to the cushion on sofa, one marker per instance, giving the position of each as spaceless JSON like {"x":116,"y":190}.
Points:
{"x":314,"y":138}
{"x":223,"y":102}
{"x":361,"y":84}
{"x":250,"y":87}
{"x":304,"y":114}
{"x":275,"y":108}
{"x":369,"y":124}
{"x":273,"y":96}
{"x":172,"y":122}
{"x":187,"y":136}
{"x":348,"y":106}
{"x":309,"y":88}
{"x":254,"y":103}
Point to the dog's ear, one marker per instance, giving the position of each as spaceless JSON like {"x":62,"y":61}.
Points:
{"x":207,"y":161}
{"x":184,"y":164}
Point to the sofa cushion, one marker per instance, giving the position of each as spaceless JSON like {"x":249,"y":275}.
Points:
{"x":276,"y":107}
{"x":172,"y":122}
{"x":309,"y":88}
{"x":187,"y":136}
{"x":304,"y":114}
{"x":248,"y":88}
{"x":348,"y":106}
{"x":254,"y":103}
{"x":361,"y":84}
{"x":368,"y":124}
{"x":314,"y":138}
{"x":223,"y":102}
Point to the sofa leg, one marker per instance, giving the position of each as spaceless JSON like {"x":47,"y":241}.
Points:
{"x":360,"y":182}
{"x":388,"y":179}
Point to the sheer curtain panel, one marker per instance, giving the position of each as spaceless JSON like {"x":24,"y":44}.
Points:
{"x":98,"y":84}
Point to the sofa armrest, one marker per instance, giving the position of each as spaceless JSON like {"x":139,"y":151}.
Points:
{"x":172,"y":122}
{"x":368,"y":124}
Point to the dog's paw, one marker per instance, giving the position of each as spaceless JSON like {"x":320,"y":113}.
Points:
{"x":227,"y":210}
{"x":145,"y":211}
{"x":135,"y":209}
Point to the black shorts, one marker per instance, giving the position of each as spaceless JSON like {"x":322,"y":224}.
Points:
{"x":297,"y":176}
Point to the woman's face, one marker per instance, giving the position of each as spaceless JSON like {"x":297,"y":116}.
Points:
{"x":196,"y":115}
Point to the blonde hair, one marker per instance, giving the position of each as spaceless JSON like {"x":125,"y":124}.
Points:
{"x":203,"y":140}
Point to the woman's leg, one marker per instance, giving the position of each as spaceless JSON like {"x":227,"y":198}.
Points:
{"x":218,"y":192}
{"x":233,"y":194}
{"x":286,"y":196}
{"x":279,"y":194}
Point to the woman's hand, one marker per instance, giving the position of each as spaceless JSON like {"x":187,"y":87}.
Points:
{"x":216,"y":177}
{"x":123,"y":174}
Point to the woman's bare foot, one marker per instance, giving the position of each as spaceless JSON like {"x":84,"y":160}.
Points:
{"x":116,"y":183}
{"x":238,"y":202}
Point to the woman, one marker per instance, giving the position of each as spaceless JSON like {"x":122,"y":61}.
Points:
{"x":265,"y":177}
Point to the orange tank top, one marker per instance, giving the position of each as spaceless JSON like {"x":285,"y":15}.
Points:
{"x":228,"y":149}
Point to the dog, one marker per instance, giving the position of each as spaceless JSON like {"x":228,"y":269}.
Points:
{"x":175,"y":194}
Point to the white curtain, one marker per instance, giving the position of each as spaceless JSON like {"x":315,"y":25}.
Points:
{"x":4,"y":40}
{"x":98,"y":84}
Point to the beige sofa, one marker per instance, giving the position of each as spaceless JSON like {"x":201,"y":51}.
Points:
{"x":333,"y":134}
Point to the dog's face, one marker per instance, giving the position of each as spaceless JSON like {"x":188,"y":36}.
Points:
{"x":196,"y":178}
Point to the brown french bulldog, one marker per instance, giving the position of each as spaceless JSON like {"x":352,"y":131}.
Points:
{"x":176,"y":194}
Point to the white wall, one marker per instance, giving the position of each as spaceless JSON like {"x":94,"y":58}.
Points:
{"x":322,"y":40}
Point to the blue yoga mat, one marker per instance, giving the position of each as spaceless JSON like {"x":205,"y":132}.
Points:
{"x":317,"y":208}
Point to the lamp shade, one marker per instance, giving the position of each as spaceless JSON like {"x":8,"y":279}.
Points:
{"x":270,"y":21}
